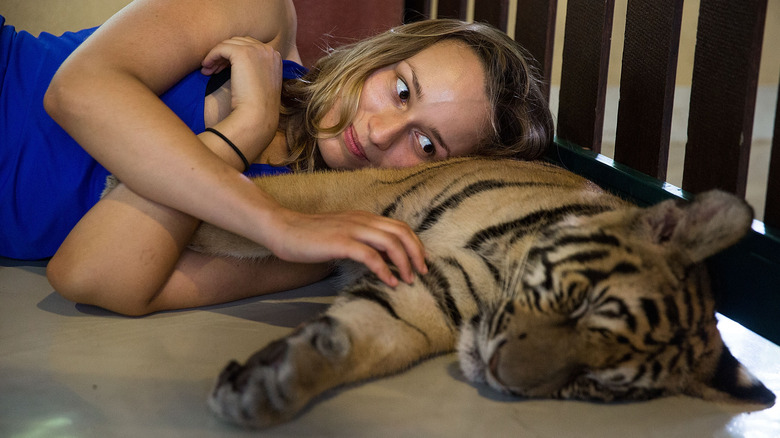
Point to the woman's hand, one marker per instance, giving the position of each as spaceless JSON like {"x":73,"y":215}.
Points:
{"x":255,"y":85}
{"x":358,"y":235}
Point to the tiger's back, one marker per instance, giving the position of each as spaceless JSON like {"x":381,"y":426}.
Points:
{"x":554,"y":288}
{"x":419,"y":196}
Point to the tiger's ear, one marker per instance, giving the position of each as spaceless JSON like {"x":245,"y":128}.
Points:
{"x":730,"y":382}
{"x":711,"y":223}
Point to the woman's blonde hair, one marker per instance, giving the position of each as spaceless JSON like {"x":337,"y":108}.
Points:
{"x":521,"y":122}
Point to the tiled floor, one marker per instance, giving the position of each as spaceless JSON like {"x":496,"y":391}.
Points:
{"x":73,"y":371}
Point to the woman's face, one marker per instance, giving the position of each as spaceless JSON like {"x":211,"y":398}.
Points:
{"x":429,"y":107}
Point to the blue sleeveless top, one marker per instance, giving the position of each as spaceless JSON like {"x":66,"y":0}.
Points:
{"x":47,"y":181}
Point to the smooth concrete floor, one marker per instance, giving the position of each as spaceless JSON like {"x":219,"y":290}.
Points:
{"x":76,"y":371}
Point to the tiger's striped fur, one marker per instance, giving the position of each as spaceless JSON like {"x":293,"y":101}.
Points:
{"x":548,"y":286}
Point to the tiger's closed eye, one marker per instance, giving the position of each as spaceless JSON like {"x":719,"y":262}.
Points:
{"x":580,"y":310}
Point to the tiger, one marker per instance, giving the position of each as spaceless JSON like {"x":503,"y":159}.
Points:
{"x":546,"y":285}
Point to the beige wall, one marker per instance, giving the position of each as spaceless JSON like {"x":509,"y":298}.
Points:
{"x":58,"y":16}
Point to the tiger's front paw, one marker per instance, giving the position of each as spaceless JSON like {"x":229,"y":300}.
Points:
{"x":254,"y":394}
{"x":280,"y":380}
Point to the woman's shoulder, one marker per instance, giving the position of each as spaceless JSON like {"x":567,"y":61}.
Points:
{"x":161,"y":42}
{"x":274,"y":22}
{"x":288,"y":31}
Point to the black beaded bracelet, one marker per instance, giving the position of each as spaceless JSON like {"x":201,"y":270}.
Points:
{"x":234,"y":147}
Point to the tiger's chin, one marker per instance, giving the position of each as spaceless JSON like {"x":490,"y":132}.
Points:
{"x":473,"y":367}
{"x":473,"y":356}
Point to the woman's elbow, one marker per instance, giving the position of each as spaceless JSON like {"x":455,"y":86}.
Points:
{"x":51,"y":99}
{"x":86,"y":283}
{"x":64,"y":97}
{"x":69,"y":279}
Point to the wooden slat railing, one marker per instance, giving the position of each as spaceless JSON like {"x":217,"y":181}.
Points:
{"x":772,"y":211}
{"x":723,"y":94}
{"x":648,"y":74}
{"x":583,"y":92}
{"x":535,"y":27}
{"x":493,"y":12}
{"x":452,"y":9}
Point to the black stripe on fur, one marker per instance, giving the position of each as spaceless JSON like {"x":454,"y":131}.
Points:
{"x":469,"y":285}
{"x":439,"y":287}
{"x":373,"y":294}
{"x":467,"y":192}
{"x":535,"y":220}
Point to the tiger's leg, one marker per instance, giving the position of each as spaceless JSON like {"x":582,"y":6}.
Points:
{"x":370,"y":331}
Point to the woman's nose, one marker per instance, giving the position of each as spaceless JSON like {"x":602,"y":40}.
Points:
{"x":385,"y":129}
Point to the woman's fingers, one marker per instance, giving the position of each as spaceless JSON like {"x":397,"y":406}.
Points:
{"x":371,"y":240}
{"x":406,"y":247}
{"x":372,"y":259}
{"x":378,"y":246}
{"x":220,"y":56}
{"x":360,"y":236}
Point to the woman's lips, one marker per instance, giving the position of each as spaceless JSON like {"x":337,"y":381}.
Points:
{"x":353,"y":145}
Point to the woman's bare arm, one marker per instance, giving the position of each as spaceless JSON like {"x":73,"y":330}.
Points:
{"x":105,"y":96}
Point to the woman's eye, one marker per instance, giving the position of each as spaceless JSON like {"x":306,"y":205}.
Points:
{"x":427,"y":145}
{"x":402,"y":89}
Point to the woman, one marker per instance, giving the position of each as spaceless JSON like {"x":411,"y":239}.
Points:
{"x":379,"y":103}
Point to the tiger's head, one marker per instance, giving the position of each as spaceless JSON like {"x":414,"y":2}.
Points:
{"x":616,"y":306}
